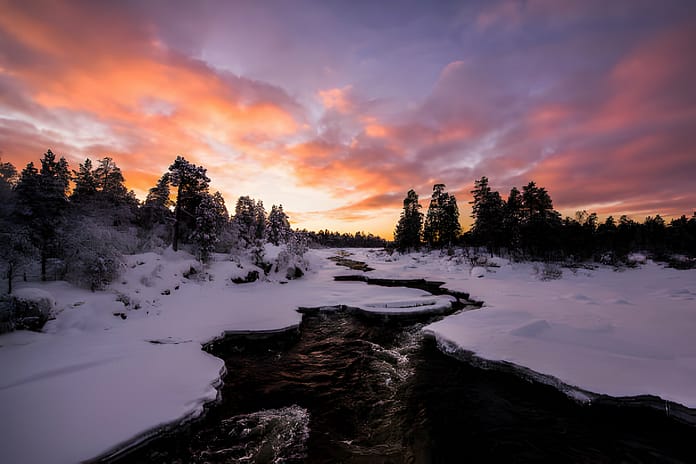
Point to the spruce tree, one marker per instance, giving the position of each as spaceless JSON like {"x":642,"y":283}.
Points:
{"x":244,"y":221}
{"x":211,"y":219}
{"x":540,"y":222}
{"x":278,"y":230}
{"x":451,"y":229}
{"x":407,"y":235}
{"x":442,"y":221}
{"x":488,"y":213}
{"x":259,"y":221}
{"x":42,"y":199}
{"x":85,"y":183}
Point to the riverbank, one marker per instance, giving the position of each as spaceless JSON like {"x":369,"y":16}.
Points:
{"x":592,"y":331}
{"x":114,"y":367}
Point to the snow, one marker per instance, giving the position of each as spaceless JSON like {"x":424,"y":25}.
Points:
{"x":616,"y":332}
{"x":116,"y":365}
{"x":34,"y":294}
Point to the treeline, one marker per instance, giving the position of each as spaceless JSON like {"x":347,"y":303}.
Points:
{"x":80,"y":234}
{"x":525,"y":225}
{"x":329,"y":239}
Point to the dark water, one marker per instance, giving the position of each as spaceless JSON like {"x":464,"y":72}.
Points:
{"x":352,"y":389}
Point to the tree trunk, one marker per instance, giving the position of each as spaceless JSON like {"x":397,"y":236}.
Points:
{"x":177,"y":220}
{"x":10,"y":274}
{"x":44,"y":259}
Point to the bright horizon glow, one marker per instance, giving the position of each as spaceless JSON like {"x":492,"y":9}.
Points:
{"x":336,"y":110}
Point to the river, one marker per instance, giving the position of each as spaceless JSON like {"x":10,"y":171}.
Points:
{"x":350,"y":388}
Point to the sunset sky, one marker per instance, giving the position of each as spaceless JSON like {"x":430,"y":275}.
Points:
{"x":336,"y":108}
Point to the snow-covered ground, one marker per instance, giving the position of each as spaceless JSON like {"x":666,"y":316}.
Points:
{"x":105,"y":372}
{"x":621,"y":333}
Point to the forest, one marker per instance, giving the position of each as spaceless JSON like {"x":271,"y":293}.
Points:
{"x":526,"y":226}
{"x":75,"y":225}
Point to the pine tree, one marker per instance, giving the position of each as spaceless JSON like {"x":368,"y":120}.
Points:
{"x":156,"y":208}
{"x":408,"y":230}
{"x":85,"y":183}
{"x":512,"y":218}
{"x":191,"y":183}
{"x":8,"y":180}
{"x":110,"y":182}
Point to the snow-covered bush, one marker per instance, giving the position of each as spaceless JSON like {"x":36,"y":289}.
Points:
{"x":157,"y":237}
{"x":636,"y":259}
{"x":291,"y":259}
{"x":478,"y":271}
{"x":94,"y":255}
{"x":548,"y":271}
{"x":26,"y":309}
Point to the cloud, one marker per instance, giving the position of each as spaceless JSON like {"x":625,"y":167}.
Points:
{"x":95,"y":68}
{"x":592,"y":100}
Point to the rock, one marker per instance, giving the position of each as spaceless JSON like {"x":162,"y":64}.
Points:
{"x":252,"y":276}
{"x":294,"y":272}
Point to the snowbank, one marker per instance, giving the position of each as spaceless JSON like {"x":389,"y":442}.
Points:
{"x":116,"y":365}
{"x":620,"y":333}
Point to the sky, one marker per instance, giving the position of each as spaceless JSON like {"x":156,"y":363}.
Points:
{"x":335,"y":109}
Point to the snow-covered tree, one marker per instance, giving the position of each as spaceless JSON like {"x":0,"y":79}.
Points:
{"x":244,"y":221}
{"x":211,"y":219}
{"x":101,"y":192}
{"x":408,"y":230}
{"x":278,"y":229}
{"x":191,"y":182}
{"x":42,"y":199}
{"x":8,"y":197}
{"x":16,"y":251}
{"x":260,"y":221}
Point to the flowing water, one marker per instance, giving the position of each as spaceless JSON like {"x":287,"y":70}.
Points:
{"x":357,"y":389}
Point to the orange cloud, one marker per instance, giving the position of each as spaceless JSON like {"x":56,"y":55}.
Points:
{"x":98,"y":69}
